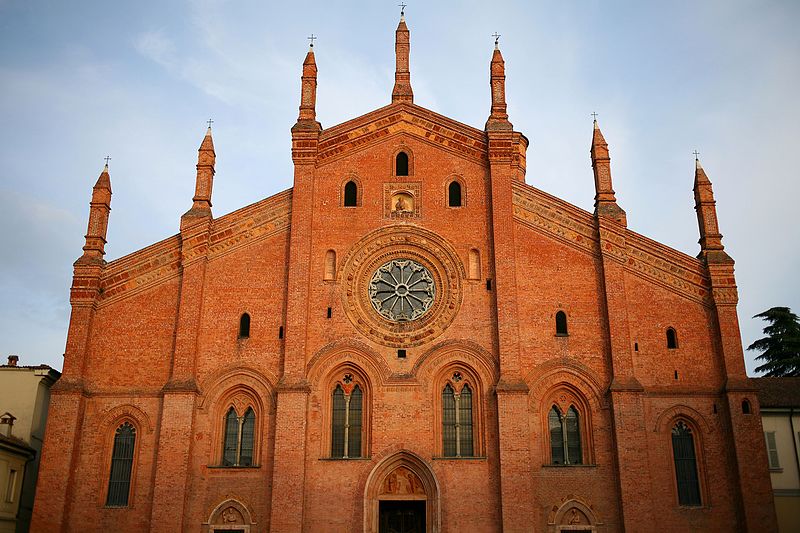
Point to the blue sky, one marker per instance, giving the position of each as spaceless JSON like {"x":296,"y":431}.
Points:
{"x":137,"y":81}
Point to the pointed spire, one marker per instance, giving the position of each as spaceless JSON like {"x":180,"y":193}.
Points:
{"x":498,"y":117}
{"x":605,"y":202}
{"x":99,"y":209}
{"x":402,"y":76}
{"x":204,"y":182}
{"x":308,"y":94}
{"x":706,"y":207}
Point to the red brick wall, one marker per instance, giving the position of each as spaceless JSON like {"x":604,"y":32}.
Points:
{"x":557,"y":264}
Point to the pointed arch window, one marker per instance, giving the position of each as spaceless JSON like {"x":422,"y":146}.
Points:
{"x":346,"y":422}
{"x":454,"y":194}
{"x":119,"y":483}
{"x":683,"y":452}
{"x":672,"y":339}
{"x":457,"y":423}
{"x":561,"y":324}
{"x":565,"y":436}
{"x":239,"y":438}
{"x":350,"y":194}
{"x":244,"y":326}
{"x":401,"y":164}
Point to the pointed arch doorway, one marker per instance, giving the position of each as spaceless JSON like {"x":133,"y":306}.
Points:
{"x":402,"y":496}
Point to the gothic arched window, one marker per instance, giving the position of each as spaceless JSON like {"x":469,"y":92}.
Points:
{"x":683,"y":452}
{"x":672,"y":339}
{"x":244,"y":326}
{"x":401,"y":164}
{"x":561,"y":324}
{"x":454,"y":194}
{"x":239,"y":438}
{"x":565,"y":437}
{"x":350,"y":194}
{"x":119,"y":483}
{"x":457,"y":424}
{"x":346,"y":424}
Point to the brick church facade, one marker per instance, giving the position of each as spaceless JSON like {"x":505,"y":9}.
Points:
{"x":410,"y":339}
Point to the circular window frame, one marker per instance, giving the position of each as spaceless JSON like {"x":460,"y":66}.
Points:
{"x":402,"y":243}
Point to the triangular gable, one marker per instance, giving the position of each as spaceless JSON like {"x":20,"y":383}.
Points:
{"x":368,"y":129}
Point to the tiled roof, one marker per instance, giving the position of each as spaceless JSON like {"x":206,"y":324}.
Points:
{"x":778,"y":392}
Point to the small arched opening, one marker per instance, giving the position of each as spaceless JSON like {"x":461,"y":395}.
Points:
{"x":454,"y":194}
{"x":401,"y":164}
{"x":351,"y":194}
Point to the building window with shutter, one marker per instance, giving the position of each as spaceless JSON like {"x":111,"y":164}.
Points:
{"x":772,"y":450}
{"x":685,"y":460}
{"x":119,"y":483}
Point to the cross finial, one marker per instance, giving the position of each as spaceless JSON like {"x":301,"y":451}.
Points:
{"x":496,"y":39}
{"x":594,"y":116}
{"x":402,"y":7}
{"x":312,"y":39}
{"x":107,"y":158}
{"x":696,"y":155}
{"x":209,"y":122}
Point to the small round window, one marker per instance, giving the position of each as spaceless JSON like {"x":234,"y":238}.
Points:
{"x":402,"y":290}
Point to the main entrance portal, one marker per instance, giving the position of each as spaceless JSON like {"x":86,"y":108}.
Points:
{"x":405,"y":516}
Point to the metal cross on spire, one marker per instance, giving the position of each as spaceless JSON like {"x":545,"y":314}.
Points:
{"x":107,"y":158}
{"x":402,"y":7}
{"x":496,"y":39}
{"x":209,"y":122}
{"x":594,"y":116}
{"x":696,"y":155}
{"x":312,"y":38}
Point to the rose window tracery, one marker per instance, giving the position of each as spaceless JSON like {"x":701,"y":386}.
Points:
{"x":402,"y":290}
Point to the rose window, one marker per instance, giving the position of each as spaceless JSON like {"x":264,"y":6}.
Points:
{"x":402,"y":290}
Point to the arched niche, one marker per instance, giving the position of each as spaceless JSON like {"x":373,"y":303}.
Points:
{"x":402,"y":477}
{"x":230,"y":515}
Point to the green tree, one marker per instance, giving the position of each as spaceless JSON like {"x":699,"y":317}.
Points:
{"x":780,"y":349}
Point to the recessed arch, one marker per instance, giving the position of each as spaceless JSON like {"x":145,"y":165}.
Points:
{"x":474,"y":264}
{"x":377,"y":489}
{"x":329,"y":273}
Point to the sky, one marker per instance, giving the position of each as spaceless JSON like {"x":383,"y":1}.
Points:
{"x":138,"y":80}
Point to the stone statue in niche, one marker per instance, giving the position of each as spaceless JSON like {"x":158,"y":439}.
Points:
{"x":402,"y":202}
{"x":402,"y":481}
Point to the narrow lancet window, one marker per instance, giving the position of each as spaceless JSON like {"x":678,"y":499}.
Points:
{"x":685,"y":465}
{"x":239,"y":438}
{"x":565,"y":437}
{"x":457,"y":425}
{"x":119,"y":483}
{"x":346,"y":425}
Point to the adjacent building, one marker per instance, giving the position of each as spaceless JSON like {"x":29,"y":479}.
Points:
{"x":24,"y":400}
{"x":780,"y":416}
{"x":413,"y":338}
